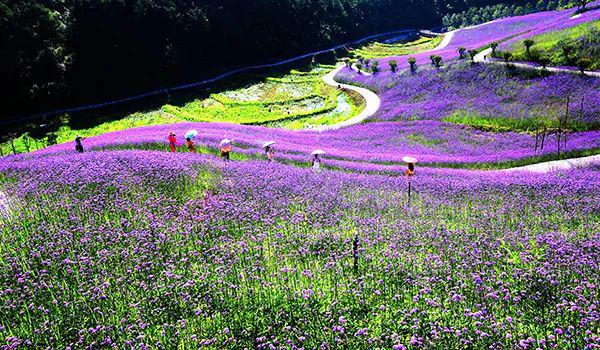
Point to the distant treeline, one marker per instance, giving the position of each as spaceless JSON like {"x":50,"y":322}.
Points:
{"x":59,"y":53}
{"x":477,"y":15}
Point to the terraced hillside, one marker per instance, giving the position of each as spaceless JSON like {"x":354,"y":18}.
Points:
{"x":329,"y":240}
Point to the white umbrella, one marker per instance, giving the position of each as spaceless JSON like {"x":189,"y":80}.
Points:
{"x":409,"y":159}
{"x":191,"y":134}
{"x":225,"y":143}
{"x":267,"y":144}
{"x":318,"y":152}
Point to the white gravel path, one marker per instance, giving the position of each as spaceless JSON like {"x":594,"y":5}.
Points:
{"x":371,"y":99}
{"x":556,"y":165}
{"x":487,"y":52}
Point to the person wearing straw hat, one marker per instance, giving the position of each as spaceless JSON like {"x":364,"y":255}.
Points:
{"x":78,"y":144}
{"x":191,"y":146}
{"x":316,"y":160}
{"x":225,"y":146}
{"x":270,"y":150}
{"x":172,"y":141}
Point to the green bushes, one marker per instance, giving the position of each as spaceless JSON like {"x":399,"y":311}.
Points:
{"x":562,"y":48}
{"x":504,"y":124}
{"x":379,"y":50}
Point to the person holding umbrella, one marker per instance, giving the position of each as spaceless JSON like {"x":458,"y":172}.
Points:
{"x":410,"y":161}
{"x":189,"y":140}
{"x":172,"y":141}
{"x":191,"y":146}
{"x":316,"y":160}
{"x":78,"y":144}
{"x":225,"y":146}
{"x":270,"y":150}
{"x":410,"y":171}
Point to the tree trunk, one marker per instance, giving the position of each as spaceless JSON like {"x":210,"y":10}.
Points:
{"x":26,"y":143}
{"x":12,"y":144}
{"x":543,"y":138}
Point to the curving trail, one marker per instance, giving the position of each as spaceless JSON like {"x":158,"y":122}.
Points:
{"x":557,"y":165}
{"x":371,"y":99}
{"x":480,"y":58}
{"x":447,"y":38}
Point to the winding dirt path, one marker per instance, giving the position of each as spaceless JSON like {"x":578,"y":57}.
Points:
{"x":373,"y":102}
{"x":556,"y":165}
{"x":371,"y":99}
{"x":481,"y":58}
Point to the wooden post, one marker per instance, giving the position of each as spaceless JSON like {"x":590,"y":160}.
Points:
{"x":355,"y":254}
{"x":409,"y":191}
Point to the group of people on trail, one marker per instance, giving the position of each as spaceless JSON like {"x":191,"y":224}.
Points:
{"x":225,"y":146}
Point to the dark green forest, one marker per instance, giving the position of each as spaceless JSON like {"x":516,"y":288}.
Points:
{"x":58,"y":53}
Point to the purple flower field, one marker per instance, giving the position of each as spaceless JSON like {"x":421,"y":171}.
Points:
{"x":129,"y":246}
{"x":483,"y":89}
{"x":138,"y":249}
{"x":559,"y":24}
{"x":496,"y":31}
{"x":431,"y":141}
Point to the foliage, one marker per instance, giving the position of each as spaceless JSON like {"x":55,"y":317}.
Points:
{"x":478,"y":15}
{"x":564,"y":47}
{"x":379,"y":50}
{"x":299,"y":96}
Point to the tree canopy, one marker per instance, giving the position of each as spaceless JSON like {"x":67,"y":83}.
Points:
{"x":59,"y":53}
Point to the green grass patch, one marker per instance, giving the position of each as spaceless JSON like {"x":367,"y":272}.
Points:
{"x":295,"y":100}
{"x":505,"y":124}
{"x":583,"y":39}
{"x":379,"y":50}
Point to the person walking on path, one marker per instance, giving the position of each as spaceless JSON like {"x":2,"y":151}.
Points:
{"x":269,"y":150}
{"x":172,"y":141}
{"x":225,"y":147}
{"x":270,"y":153}
{"x":316,"y":160}
{"x":191,"y":146}
{"x":78,"y":144}
{"x":316,"y":163}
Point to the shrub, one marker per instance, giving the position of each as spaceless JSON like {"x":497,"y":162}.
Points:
{"x":583,"y":63}
{"x":494,"y":46}
{"x":437,"y":61}
{"x":375,"y":67}
{"x":472,"y":54}
{"x":528,"y":44}
{"x":393,"y":65}
{"x":413,"y":63}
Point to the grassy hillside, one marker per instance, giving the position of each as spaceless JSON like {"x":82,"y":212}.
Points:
{"x":379,"y":50}
{"x":564,"y":47}
{"x":295,"y":100}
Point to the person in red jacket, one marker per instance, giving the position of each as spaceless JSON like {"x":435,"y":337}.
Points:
{"x":172,"y":141}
